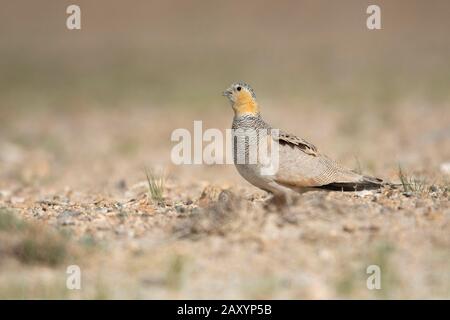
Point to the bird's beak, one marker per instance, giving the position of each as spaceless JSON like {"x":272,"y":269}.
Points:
{"x":227,"y":93}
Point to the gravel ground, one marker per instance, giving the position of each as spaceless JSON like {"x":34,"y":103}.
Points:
{"x":73,"y":191}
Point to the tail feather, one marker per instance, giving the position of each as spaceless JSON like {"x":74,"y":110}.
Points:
{"x":366,"y":183}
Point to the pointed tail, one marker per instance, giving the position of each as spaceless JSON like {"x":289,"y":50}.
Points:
{"x":365,"y":183}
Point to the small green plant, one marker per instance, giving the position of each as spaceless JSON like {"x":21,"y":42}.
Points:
{"x":155,"y":185}
{"x":8,"y":222}
{"x":31,"y":243}
{"x":49,"y":249}
{"x":411,"y":184}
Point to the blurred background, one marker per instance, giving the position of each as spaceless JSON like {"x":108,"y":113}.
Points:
{"x":167,"y":53}
{"x":132,"y":65}
{"x":83,"y":112}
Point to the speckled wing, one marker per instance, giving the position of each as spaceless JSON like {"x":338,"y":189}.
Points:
{"x":287,"y":139}
{"x":302,"y":166}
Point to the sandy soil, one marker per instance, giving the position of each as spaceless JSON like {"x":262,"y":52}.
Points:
{"x":77,"y":179}
{"x":83,"y":113}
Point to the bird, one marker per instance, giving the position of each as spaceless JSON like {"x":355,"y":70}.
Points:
{"x":301,"y":166}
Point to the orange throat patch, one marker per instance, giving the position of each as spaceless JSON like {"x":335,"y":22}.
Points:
{"x":245,"y":104}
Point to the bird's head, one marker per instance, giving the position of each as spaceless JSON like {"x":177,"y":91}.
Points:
{"x":242,"y":99}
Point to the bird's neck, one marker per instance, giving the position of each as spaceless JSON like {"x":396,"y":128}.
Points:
{"x":246,"y":106}
{"x":249,"y":121}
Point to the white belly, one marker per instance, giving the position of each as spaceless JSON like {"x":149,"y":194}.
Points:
{"x":252,"y":173}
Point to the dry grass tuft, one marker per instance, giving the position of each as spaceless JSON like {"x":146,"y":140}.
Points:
{"x":155,"y":185}
{"x":411,"y":184}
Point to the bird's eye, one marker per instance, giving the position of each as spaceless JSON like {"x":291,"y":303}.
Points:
{"x":238,"y":88}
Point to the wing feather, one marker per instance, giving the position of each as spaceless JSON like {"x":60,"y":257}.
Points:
{"x":303,"y":166}
{"x":296,"y":142}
